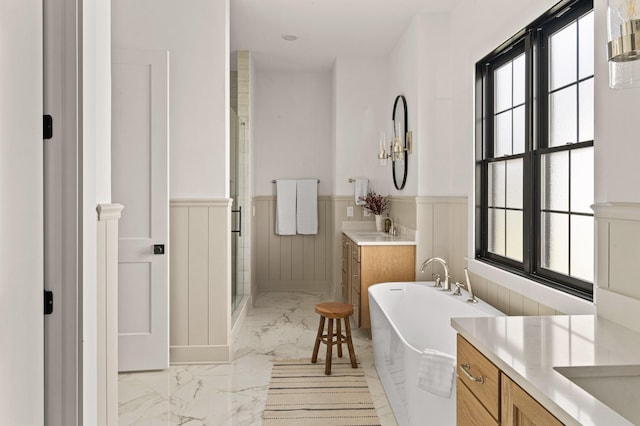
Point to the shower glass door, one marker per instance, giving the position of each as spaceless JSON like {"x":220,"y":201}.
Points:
{"x":237,"y":192}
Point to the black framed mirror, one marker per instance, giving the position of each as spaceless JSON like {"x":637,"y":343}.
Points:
{"x":399,"y":167}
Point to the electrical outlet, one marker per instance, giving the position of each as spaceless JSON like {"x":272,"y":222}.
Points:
{"x":349,"y":211}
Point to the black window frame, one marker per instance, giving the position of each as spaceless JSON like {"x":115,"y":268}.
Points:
{"x":532,"y":41}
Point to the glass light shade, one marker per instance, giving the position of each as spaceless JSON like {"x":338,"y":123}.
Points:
{"x":382,"y":152}
{"x":623,"y":48}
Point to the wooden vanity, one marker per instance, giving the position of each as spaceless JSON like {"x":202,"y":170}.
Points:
{"x":487,"y":396}
{"x":365,"y":263}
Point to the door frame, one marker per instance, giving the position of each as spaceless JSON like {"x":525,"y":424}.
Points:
{"x":62,"y":21}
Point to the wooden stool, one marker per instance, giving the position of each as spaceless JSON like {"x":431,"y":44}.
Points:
{"x":334,"y":310}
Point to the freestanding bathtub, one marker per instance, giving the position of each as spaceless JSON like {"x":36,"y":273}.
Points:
{"x":406,"y":319}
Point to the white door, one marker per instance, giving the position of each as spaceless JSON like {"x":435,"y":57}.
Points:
{"x":21,"y":217}
{"x":139,"y":173}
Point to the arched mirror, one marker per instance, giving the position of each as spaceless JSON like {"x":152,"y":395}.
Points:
{"x":399,"y":150}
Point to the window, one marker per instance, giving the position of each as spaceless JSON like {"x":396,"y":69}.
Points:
{"x":534,"y":151}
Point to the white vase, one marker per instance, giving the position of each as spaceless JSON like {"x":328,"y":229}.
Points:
{"x":378,"y":222}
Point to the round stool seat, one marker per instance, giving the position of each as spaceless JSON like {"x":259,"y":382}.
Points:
{"x":334,"y":310}
{"x":340,"y":312}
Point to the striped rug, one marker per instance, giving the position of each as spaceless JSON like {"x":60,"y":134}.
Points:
{"x":301,"y":394}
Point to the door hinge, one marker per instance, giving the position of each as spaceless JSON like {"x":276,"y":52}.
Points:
{"x":47,"y":127}
{"x":48,"y":302}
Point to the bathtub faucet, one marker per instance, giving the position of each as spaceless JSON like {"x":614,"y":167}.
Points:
{"x":447,"y":286}
{"x":472,"y":298}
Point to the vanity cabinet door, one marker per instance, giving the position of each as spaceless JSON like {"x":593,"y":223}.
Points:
{"x":355,"y":271}
{"x":520,"y":409}
{"x":346,"y":275}
{"x":470,"y":411}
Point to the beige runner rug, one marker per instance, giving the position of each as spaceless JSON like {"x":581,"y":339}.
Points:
{"x":301,"y":394}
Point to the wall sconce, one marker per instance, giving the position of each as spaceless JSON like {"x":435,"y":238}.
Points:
{"x":623,"y":18}
{"x":397,"y":146}
{"x":400,"y":146}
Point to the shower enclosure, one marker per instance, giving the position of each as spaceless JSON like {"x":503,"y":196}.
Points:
{"x":239,"y":180}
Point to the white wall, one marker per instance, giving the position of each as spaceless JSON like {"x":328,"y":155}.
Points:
{"x":197,"y":38}
{"x":616,"y":136}
{"x":404,"y":80}
{"x":292,"y":128}
{"x":360,"y":112}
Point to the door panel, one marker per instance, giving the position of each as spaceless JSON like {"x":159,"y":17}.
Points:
{"x":140,"y":182}
{"x":21,"y":214}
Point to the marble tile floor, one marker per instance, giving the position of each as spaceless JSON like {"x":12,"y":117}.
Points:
{"x":279,"y":326}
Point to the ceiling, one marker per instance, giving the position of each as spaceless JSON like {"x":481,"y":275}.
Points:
{"x":325,"y":29}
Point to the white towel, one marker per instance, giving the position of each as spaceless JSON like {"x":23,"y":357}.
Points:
{"x":307,"y":206}
{"x":361,"y":189}
{"x":436,"y":372}
{"x":286,"y":207}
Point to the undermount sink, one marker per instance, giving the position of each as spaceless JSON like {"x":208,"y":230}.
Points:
{"x":378,"y":234}
{"x":617,"y":386}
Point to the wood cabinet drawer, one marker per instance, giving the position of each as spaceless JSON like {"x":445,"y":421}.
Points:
{"x":470,"y":412}
{"x":355,"y":277}
{"x":355,"y":251}
{"x":355,"y":301}
{"x":486,"y":386}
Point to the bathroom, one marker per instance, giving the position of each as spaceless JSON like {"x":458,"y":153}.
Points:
{"x":324,"y":123}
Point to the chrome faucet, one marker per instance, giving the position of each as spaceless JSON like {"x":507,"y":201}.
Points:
{"x":390,"y":229}
{"x":447,"y":286}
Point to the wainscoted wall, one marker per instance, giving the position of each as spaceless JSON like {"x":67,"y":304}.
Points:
{"x":107,"y":314}
{"x":617,"y":293}
{"x":296,"y":262}
{"x":442,"y":232}
{"x":200,"y":297}
{"x":508,"y":301}
{"x":442,"y":228}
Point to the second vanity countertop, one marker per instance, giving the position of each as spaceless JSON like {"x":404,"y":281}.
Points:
{"x":369,"y":237}
{"x":528,"y":348}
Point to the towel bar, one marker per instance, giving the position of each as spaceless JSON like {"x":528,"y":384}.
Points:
{"x":274,"y":181}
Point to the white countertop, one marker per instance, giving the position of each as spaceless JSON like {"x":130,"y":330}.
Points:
{"x":527,"y":349}
{"x":373,"y":238}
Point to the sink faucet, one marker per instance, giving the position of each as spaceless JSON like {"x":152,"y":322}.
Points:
{"x":387,"y":220}
{"x":447,"y":286}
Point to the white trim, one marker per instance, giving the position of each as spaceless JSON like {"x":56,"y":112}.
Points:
{"x":441,"y":200}
{"x":620,"y":211}
{"x":109,"y":211}
{"x":206,"y":354}
{"x":556,"y":299}
{"x":201,"y":202}
{"x":621,"y":309}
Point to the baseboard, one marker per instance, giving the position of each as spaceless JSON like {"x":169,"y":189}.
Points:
{"x":239,"y":316}
{"x":199,"y":354}
{"x":294,"y":286}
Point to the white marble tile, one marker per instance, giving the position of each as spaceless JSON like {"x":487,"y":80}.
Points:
{"x":280,"y":325}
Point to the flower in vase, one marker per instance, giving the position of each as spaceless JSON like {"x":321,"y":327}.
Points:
{"x":375,"y":203}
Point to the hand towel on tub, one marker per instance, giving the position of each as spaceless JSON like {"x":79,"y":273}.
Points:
{"x":436,"y":372}
{"x":286,"y":207}
{"x":361,"y":189}
{"x":307,"y":206}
